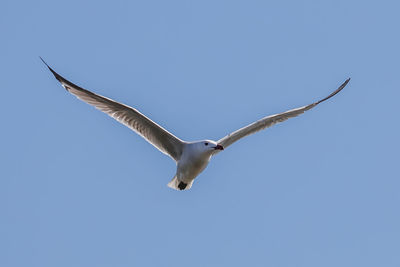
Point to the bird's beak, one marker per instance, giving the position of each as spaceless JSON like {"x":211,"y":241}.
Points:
{"x":219,"y":147}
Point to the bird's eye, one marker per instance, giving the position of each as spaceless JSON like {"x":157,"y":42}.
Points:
{"x":206,"y":144}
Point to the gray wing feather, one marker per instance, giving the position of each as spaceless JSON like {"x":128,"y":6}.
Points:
{"x":272,"y":120}
{"x":130,"y":117}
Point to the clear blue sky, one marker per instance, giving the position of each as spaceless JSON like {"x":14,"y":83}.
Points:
{"x":79,"y":189}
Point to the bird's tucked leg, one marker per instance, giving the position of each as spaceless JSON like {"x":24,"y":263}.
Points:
{"x":179,"y":185}
{"x":182,"y":185}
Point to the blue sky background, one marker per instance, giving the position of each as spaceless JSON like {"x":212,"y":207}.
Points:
{"x":79,"y":189}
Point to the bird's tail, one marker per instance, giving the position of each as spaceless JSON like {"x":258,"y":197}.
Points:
{"x":178,"y":185}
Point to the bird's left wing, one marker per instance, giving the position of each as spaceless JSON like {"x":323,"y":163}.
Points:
{"x":271,"y":120}
{"x":130,"y":117}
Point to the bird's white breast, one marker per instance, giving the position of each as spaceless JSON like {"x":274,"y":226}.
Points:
{"x":191,"y":164}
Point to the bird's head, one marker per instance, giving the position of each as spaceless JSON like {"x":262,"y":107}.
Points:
{"x":209,"y":146}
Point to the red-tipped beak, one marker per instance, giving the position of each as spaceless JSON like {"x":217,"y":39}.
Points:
{"x":219,"y":147}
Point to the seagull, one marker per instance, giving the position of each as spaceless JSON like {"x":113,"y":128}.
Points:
{"x":191,"y":157}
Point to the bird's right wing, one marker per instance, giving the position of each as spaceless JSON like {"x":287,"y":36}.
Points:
{"x":271,"y":120}
{"x":130,"y":117}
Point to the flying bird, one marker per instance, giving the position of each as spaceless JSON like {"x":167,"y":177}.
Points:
{"x":191,"y":157}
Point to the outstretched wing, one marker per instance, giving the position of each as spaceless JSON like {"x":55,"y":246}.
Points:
{"x":130,"y":117}
{"x":272,"y":120}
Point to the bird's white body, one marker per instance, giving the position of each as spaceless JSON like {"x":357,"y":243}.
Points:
{"x":191,"y":157}
{"x":195,"y":158}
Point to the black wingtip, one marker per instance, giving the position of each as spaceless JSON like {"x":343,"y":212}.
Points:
{"x":335,"y":92}
{"x":43,"y":60}
{"x":45,"y":63}
{"x":64,"y":82}
{"x":56,"y":75}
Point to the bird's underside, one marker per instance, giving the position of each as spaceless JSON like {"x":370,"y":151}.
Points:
{"x":165,"y":141}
